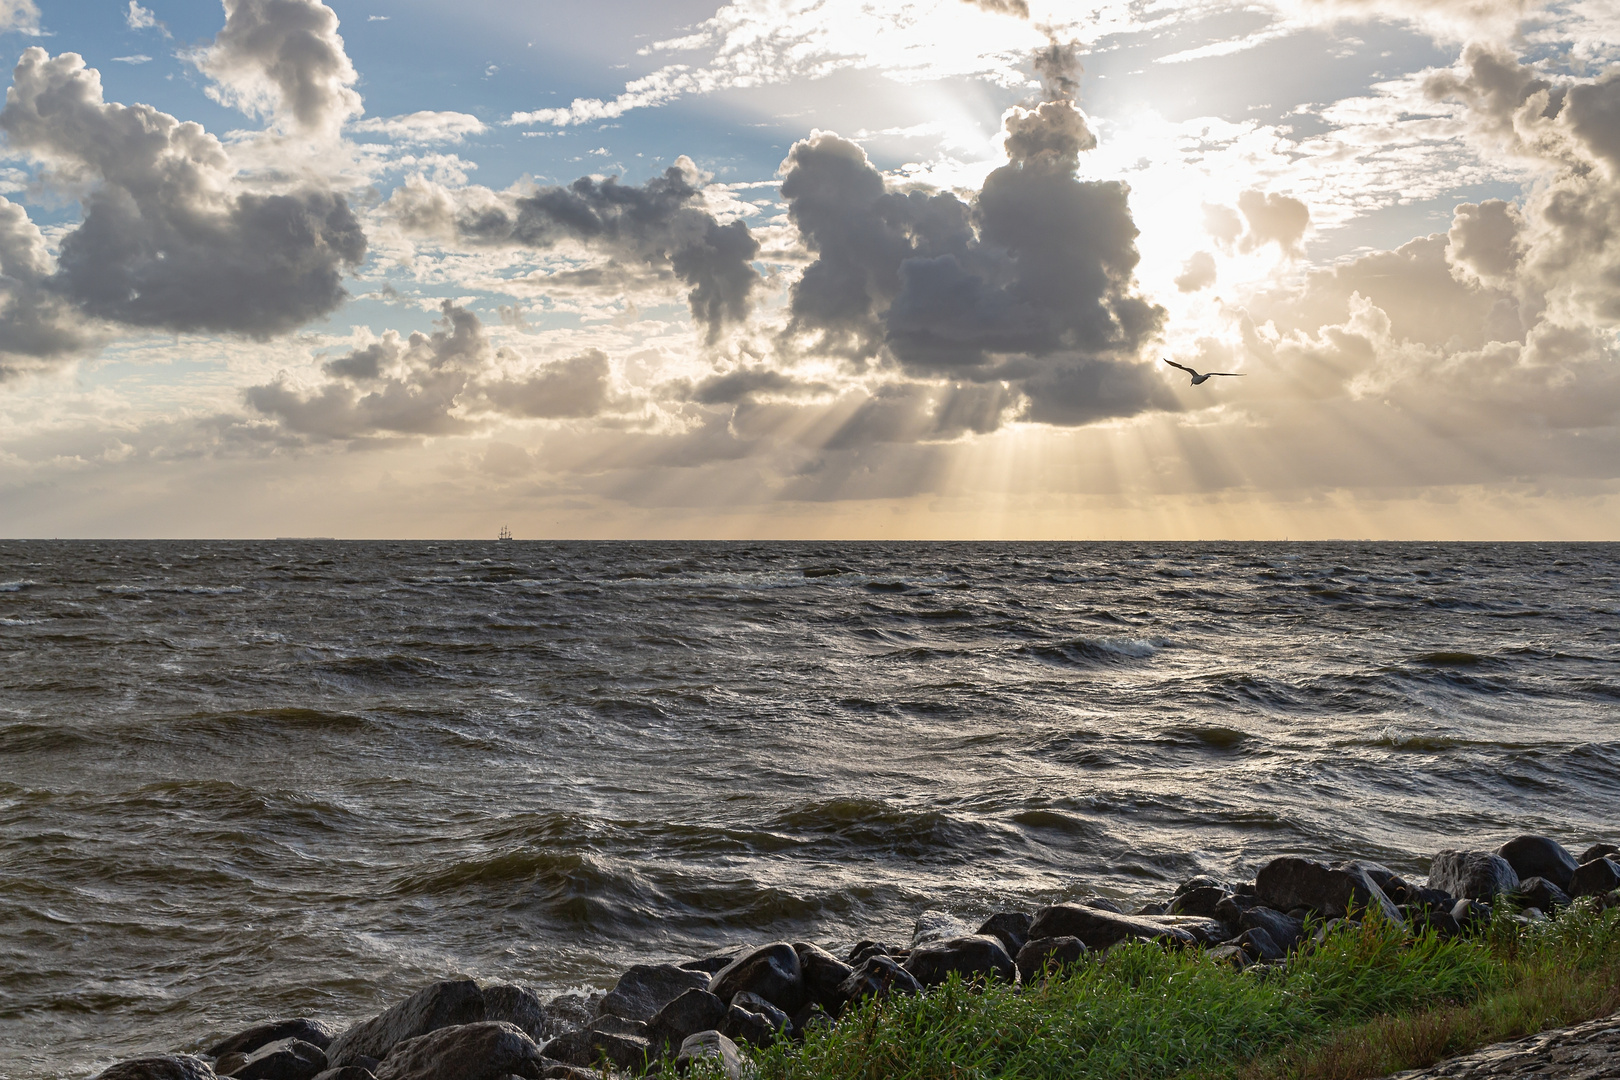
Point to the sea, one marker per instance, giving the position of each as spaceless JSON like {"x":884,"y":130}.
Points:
{"x":251,"y":780}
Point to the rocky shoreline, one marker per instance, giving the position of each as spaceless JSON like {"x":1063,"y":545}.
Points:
{"x":716,"y":1007}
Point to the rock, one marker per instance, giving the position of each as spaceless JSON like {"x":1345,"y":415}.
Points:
{"x":172,"y":1067}
{"x":1202,"y":901}
{"x":822,"y":973}
{"x":744,"y":1026}
{"x":1538,"y":856}
{"x":1040,"y":955}
{"x":1469,"y":913}
{"x":972,"y":956}
{"x":572,"y":1011}
{"x":934,"y":925}
{"x":586,"y":1048}
{"x":692,"y":1012}
{"x":878,"y":976}
{"x":1595,"y":877}
{"x":1151,"y":909}
{"x":645,"y":988}
{"x":771,"y":971}
{"x":618,"y":1025}
{"x":1099,"y":929}
{"x":228,"y":1064}
{"x":1284,"y":930}
{"x":444,"y":1004}
{"x":1599,"y":851}
{"x":1426,"y":899}
{"x":559,"y":1070}
{"x":1235,"y":955}
{"x":865,"y":948}
{"x":1202,"y":881}
{"x":348,"y":1072}
{"x":245,"y":1042}
{"x":779,"y":1020}
{"x":712,"y":1046}
{"x":1011,"y":928}
{"x":810,"y":1017}
{"x":1334,"y":891}
{"x":284,"y":1059}
{"x":1538,"y":892}
{"x":1260,"y":945}
{"x":1441,"y":922}
{"x":486,"y":1050}
{"x":1381,"y":875}
{"x":1102,"y":903}
{"x":1472,"y":875}
{"x":522,"y":1008}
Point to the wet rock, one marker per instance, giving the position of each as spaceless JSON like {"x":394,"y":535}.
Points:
{"x":822,"y":973}
{"x":743,"y":1026}
{"x":1040,"y":955}
{"x":973,"y":956}
{"x":1202,"y":881}
{"x":1595,"y":877}
{"x":522,"y":1008}
{"x":558,"y":1070}
{"x":934,"y":925}
{"x":645,"y":988}
{"x":779,"y":1021}
{"x":1471,"y":913}
{"x":1235,"y":955}
{"x":1422,"y":920}
{"x":444,"y":1004}
{"x":1381,"y":875}
{"x":284,"y":1059}
{"x":171,"y":1067}
{"x":572,"y":1011}
{"x":771,"y":971}
{"x":1538,"y":856}
{"x":1284,"y":930}
{"x":865,"y":948}
{"x":1011,"y":928}
{"x":1334,"y":891}
{"x":1599,"y":851}
{"x":618,"y":1025}
{"x":1472,"y":875}
{"x":1260,"y":945}
{"x":348,"y":1072}
{"x":1202,"y":901}
{"x":711,"y":1046}
{"x":229,"y":1063}
{"x":1539,"y":893}
{"x":1098,"y":929}
{"x":585,"y":1048}
{"x":245,"y":1042}
{"x":810,"y":1017}
{"x":878,"y":976}
{"x":692,"y":1012}
{"x":1102,"y":903}
{"x":714,"y":961}
{"x":486,"y":1050}
{"x":1426,"y":899}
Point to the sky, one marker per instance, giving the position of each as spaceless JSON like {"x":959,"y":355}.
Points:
{"x":811,"y":269}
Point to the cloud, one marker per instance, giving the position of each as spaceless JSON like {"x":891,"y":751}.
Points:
{"x":663,"y":225}
{"x":1197,"y":273}
{"x":1273,"y":219}
{"x":422,"y":127}
{"x":37,"y":325}
{"x":169,"y":240}
{"x":447,"y":382}
{"x":19,"y":16}
{"x":730,"y":387}
{"x":140,"y":18}
{"x":138,"y":58}
{"x":283,"y":59}
{"x":1019,"y":8}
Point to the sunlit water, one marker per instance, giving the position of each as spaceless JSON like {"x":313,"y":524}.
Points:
{"x":250,"y":780}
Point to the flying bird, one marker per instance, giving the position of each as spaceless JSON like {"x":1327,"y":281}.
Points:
{"x":1197,"y":378}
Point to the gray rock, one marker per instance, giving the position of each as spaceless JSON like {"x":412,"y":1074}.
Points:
{"x":245,"y":1042}
{"x":1429,"y":899}
{"x":1539,"y":856}
{"x":746,"y":1026}
{"x":935,"y":925}
{"x":711,"y":1046}
{"x":572,"y":1011}
{"x":692,"y":1012}
{"x":348,"y":1072}
{"x":1102,"y":903}
{"x":1470,"y":913}
{"x":585,"y":1048}
{"x":1202,"y":901}
{"x":559,"y":1070}
{"x":878,"y":976}
{"x":1011,"y":928}
{"x":1260,"y":945}
{"x":1472,"y":875}
{"x":486,"y":1050}
{"x":522,"y":1008}
{"x":1284,"y":930}
{"x":1235,"y":955}
{"x":229,"y":1063}
{"x":618,"y":1025}
{"x":1441,"y":922}
{"x":1599,"y":851}
{"x":171,"y":1067}
{"x":1202,"y":881}
{"x":284,"y":1059}
{"x":779,"y":1020}
{"x":1040,"y":955}
{"x":1334,"y":891}
{"x":1099,"y":929}
{"x":1538,"y":892}
{"x":714,"y":961}
{"x":865,"y":948}
{"x":973,"y":956}
{"x":771,"y":971}
{"x":1595,"y":877}
{"x":822,"y":973}
{"x":646,"y":988}
{"x":444,"y":1004}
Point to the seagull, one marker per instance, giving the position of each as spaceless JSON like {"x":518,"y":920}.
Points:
{"x":1197,"y":378}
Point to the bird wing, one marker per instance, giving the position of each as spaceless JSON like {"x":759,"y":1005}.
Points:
{"x":1234,"y":374}
{"x":1183,"y":367}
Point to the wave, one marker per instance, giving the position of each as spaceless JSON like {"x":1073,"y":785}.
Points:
{"x":1089,"y":652}
{"x":17,"y":586}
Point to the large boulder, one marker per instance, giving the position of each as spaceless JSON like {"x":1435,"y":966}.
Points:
{"x":451,"y":1003}
{"x":1098,"y":929}
{"x":1334,"y":891}
{"x":1599,"y":851}
{"x":1538,"y":856}
{"x":1260,"y":945}
{"x":1595,"y":878}
{"x":1202,"y":901}
{"x":521,"y":1007}
{"x":284,"y":1059}
{"x":692,"y":1012}
{"x":754,"y":1020}
{"x":822,"y":973}
{"x":1284,"y":931}
{"x":171,"y":1067}
{"x":587,"y":1048}
{"x":1541,"y":894}
{"x":974,"y":956}
{"x":1040,"y":955}
{"x":1011,"y":928}
{"x":771,"y":971}
{"x":646,"y":988}
{"x":487,"y":1050}
{"x":878,"y":976}
{"x":1472,"y":875}
{"x":245,"y":1042}
{"x":710,"y":1046}
{"x":935,"y":925}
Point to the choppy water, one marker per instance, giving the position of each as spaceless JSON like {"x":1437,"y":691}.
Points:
{"x":243,"y":780}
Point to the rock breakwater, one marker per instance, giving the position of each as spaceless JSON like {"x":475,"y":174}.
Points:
{"x":668,"y":1015}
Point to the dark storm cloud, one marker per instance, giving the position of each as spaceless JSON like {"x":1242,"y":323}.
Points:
{"x":733,"y":386}
{"x":37,"y":326}
{"x":283,"y":58}
{"x":439,"y":383}
{"x":168,"y":240}
{"x":662,"y":225}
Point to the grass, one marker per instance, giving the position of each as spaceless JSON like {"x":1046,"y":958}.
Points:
{"x":1368,"y":1001}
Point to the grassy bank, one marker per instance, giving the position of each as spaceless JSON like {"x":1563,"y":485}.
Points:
{"x":1368,"y":1001}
